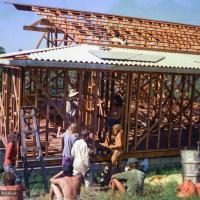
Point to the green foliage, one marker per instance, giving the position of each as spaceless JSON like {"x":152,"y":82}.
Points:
{"x":2,"y":50}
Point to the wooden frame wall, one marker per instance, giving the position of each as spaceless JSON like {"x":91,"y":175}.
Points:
{"x":165,"y":112}
{"x":161,"y":111}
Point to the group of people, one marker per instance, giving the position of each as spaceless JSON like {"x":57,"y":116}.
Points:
{"x":75,"y":163}
{"x":77,"y":152}
{"x":79,"y":148}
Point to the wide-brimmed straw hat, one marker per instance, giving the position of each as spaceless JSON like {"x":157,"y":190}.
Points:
{"x":72,"y":93}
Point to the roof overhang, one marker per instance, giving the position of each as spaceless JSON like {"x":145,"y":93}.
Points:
{"x":92,"y":66}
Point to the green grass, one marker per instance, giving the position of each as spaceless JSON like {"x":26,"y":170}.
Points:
{"x":159,"y":192}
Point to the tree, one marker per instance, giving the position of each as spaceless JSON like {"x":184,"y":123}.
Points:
{"x":2,"y":50}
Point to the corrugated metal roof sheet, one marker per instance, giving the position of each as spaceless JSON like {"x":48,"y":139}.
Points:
{"x":81,"y":54}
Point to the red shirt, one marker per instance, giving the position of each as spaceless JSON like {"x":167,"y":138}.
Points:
{"x":11,"y":153}
{"x":12,"y":192}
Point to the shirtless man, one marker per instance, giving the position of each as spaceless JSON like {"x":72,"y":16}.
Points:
{"x":65,"y":187}
{"x":117,"y":152}
{"x":117,"y":146}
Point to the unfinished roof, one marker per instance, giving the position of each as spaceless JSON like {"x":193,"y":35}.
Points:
{"x":119,"y":59}
{"x":97,"y":28}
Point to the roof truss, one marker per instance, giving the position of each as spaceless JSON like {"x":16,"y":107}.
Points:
{"x":97,"y":28}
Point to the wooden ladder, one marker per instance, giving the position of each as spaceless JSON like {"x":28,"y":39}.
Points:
{"x":29,"y":130}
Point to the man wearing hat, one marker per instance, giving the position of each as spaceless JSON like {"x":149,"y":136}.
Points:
{"x":72,"y":105}
{"x":130,"y":181}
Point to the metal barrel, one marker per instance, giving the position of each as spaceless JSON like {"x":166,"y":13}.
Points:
{"x":190,"y":160}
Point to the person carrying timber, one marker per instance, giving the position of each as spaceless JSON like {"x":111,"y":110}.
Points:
{"x":69,"y":137}
{"x":130,"y":182}
{"x":65,"y":187}
{"x":9,"y":190}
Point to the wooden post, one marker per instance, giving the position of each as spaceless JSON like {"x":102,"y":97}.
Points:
{"x":80,"y":99}
{"x":148,"y":112}
{"x":160,"y":108}
{"x":181,"y":110}
{"x":47,"y":114}
{"x":191,"y":110}
{"x":137,"y":108}
{"x":127,"y":111}
{"x":170,"y":110}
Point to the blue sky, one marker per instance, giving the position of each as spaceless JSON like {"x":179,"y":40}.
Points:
{"x":13,"y":37}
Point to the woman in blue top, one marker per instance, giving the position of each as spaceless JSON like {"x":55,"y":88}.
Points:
{"x":69,"y":137}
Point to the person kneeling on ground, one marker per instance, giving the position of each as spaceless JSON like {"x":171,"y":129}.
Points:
{"x":65,"y":187}
{"x":133,"y":179}
{"x":9,"y":190}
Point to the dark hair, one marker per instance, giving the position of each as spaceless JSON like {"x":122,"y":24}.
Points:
{"x":84,"y":133}
{"x":119,"y":100}
{"x":12,"y":137}
{"x":117,"y":34}
{"x":9,"y":178}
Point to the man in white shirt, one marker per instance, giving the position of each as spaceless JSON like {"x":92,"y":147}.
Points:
{"x":80,"y":152}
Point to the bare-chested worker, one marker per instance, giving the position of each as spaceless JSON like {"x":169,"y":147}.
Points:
{"x":65,"y":187}
{"x":117,"y":146}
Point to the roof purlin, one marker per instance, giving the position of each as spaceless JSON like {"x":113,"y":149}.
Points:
{"x":93,"y":66}
{"x":144,"y":33}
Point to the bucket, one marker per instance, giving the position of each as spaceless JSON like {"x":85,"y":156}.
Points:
{"x":2,"y":155}
{"x":190,"y":160}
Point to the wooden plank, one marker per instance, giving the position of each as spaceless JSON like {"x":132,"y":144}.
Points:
{"x":47,"y":114}
{"x":55,"y":161}
{"x":41,"y":39}
{"x":148,"y":111}
{"x":160,"y":108}
{"x":191,"y":110}
{"x":80,"y":98}
{"x":127,"y":110}
{"x":137,"y":109}
{"x":181,"y":109}
{"x":170,"y":110}
{"x":96,"y":91}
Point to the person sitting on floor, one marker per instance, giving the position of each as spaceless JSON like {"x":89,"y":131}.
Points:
{"x":133,"y":179}
{"x":9,"y":190}
{"x":65,"y":187}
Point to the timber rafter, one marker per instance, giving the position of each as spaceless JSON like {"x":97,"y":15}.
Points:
{"x":97,"y":28}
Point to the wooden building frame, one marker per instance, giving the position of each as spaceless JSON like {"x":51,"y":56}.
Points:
{"x":161,"y":107}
